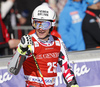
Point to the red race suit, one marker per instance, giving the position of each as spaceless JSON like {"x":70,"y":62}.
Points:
{"x":48,"y":55}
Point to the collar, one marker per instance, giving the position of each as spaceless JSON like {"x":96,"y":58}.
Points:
{"x":50,"y":40}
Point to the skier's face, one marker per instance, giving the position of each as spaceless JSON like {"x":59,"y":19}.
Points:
{"x":42,"y":28}
{"x":42,"y":33}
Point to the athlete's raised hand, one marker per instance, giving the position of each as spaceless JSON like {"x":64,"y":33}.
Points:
{"x":25,"y":41}
{"x":23,"y":46}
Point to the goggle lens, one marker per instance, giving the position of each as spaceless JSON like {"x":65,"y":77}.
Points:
{"x":42,"y":24}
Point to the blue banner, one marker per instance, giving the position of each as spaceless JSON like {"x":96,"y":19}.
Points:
{"x":87,"y":74}
{"x":8,"y":80}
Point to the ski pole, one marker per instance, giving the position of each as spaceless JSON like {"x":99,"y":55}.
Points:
{"x":37,"y":65}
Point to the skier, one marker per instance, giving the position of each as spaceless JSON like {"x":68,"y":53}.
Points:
{"x":40,"y":52}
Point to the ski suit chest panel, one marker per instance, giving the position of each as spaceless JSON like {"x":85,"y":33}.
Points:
{"x":47,"y":58}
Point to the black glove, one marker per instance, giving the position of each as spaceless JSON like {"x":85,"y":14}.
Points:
{"x":73,"y":83}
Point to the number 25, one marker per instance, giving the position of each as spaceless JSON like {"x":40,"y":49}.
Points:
{"x":52,"y":65}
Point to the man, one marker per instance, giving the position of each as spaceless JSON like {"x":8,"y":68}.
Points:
{"x":40,"y":67}
{"x":91,"y":24}
{"x":57,"y":5}
{"x":6,"y":5}
{"x":25,"y":9}
{"x":5,"y":41}
{"x":70,"y":23}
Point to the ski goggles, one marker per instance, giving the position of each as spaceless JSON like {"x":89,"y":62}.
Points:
{"x":42,"y":24}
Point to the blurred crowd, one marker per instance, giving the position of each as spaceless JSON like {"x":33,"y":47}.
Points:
{"x":78,"y":22}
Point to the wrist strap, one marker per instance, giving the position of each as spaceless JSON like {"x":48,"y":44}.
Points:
{"x":21,"y":51}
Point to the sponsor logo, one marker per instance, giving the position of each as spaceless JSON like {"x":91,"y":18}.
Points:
{"x":48,"y":55}
{"x":76,"y":18}
{"x":49,"y":48}
{"x":36,"y":44}
{"x":73,"y":13}
{"x":59,"y":79}
{"x":5,"y":77}
{"x":92,"y":20}
{"x":57,"y":43}
{"x":76,"y":21}
{"x":40,"y":80}
{"x":78,"y":71}
{"x":43,"y":13}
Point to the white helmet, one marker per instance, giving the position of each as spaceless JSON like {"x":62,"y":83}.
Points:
{"x":44,"y":12}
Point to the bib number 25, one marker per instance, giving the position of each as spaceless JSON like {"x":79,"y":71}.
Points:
{"x":52,"y":67}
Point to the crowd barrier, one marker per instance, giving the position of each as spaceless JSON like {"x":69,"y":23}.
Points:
{"x":85,"y":64}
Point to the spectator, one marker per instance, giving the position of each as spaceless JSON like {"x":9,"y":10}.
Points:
{"x":25,"y":8}
{"x":6,"y":12}
{"x":60,"y":6}
{"x":5,"y":7}
{"x":57,"y":5}
{"x":23,"y":12}
{"x":70,"y":22}
{"x":48,"y":50}
{"x":91,"y":24}
{"x":5,"y":41}
{"x":8,"y":15}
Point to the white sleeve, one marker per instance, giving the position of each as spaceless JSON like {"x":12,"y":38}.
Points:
{"x":5,"y":7}
{"x":63,"y":53}
{"x":15,"y":63}
{"x":64,"y":63}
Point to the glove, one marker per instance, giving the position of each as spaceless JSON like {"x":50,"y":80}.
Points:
{"x":74,"y":86}
{"x":73,"y":83}
{"x":25,"y":41}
